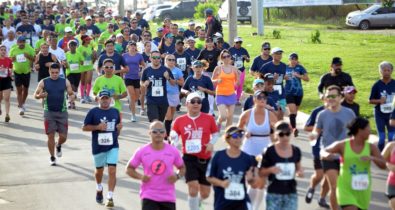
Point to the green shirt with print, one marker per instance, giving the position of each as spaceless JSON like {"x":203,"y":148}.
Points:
{"x":59,"y":28}
{"x":102,"y":26}
{"x":115,"y":85}
{"x":74,"y":62}
{"x":22,"y":65}
{"x":87,"y":54}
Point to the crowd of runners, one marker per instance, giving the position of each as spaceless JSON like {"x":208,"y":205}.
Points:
{"x":95,"y":56}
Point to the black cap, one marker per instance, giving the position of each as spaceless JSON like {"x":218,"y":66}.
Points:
{"x":293,"y":56}
{"x":266,"y":45}
{"x":337,"y":61}
{"x":268,"y":76}
{"x":209,"y":39}
{"x":179,"y":41}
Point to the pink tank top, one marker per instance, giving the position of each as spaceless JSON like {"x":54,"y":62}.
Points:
{"x":391,"y":175}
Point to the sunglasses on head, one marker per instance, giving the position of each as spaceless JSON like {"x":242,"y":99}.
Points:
{"x":157,"y":131}
{"x":195,"y":101}
{"x":155,"y":57}
{"x":331,"y":96}
{"x":282,"y":134}
{"x":236,"y":135}
{"x":108,"y":67}
{"x":171,"y":59}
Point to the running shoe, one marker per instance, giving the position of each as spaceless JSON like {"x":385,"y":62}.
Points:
{"x":59,"y":150}
{"x":83,"y":101}
{"x":238,"y":103}
{"x":52,"y":161}
{"x":21,"y":111}
{"x":7,"y":118}
{"x":99,"y":196}
{"x":309,"y":195}
{"x":142,"y":112}
{"x":69,"y":106}
{"x":296,"y":132}
{"x":322,"y":203}
{"x":109,"y":203}
{"x":133,"y":119}
{"x":88,"y":99}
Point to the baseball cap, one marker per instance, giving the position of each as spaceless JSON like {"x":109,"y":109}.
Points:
{"x":192,"y":96}
{"x":179,"y":41}
{"x":258,"y":92}
{"x":88,"y":18}
{"x":191,"y":22}
{"x":218,"y":34}
{"x":169,"y":35}
{"x":268,"y":76}
{"x":350,"y":89}
{"x":119,"y":35}
{"x":159,"y":29}
{"x":104,"y":93}
{"x":190,"y":38}
{"x":238,"y":39}
{"x":293,"y":56}
{"x":266,"y":45}
{"x":138,"y":12}
{"x":197,"y":63}
{"x":68,"y":29}
{"x":257,"y":81}
{"x":232,"y":130}
{"x":276,"y":50}
{"x":337,"y":61}
{"x":181,"y":30}
{"x":21,"y":39}
{"x":208,"y":11}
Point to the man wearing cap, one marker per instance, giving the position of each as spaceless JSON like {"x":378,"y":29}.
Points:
{"x":261,"y":59}
{"x":159,"y":36}
{"x":22,"y":57}
{"x":141,"y":22}
{"x":25,"y":28}
{"x":60,"y":26}
{"x":273,"y":95}
{"x":190,"y":32}
{"x":101,"y":24}
{"x":278,"y":69}
{"x":52,"y":89}
{"x":335,"y":77}
{"x":212,"y":26}
{"x":200,"y":40}
{"x":58,"y":52}
{"x":191,"y":49}
{"x":258,"y":84}
{"x":105,"y":124}
{"x":63,"y":43}
{"x":199,"y":133}
{"x":158,"y":160}
{"x":154,"y":79}
{"x":104,"y":36}
{"x":239,"y":56}
{"x":183,"y":59}
{"x":47,"y":25}
{"x":220,"y":42}
{"x":349,"y":97}
{"x":109,"y":52}
{"x":134,"y":29}
{"x":146,"y":37}
{"x":92,"y":30}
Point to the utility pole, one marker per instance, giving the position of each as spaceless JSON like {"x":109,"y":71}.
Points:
{"x":254,"y":13}
{"x":121,"y":8}
{"x":232,"y":20}
{"x":260,"y":17}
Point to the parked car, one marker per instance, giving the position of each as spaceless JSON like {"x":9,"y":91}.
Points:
{"x":374,"y":16}
{"x":150,"y":11}
{"x":243,"y":10}
{"x":183,"y":9}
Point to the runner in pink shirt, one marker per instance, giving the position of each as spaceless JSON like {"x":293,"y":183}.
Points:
{"x":158,"y":180}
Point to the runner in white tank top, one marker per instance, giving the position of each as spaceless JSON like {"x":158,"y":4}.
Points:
{"x":260,"y":135}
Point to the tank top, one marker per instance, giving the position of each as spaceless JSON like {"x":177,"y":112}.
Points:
{"x":258,"y":131}
{"x":56,"y":99}
{"x":354,"y":181}
{"x":43,"y":72}
{"x":391,"y":174}
{"x":227,"y":85}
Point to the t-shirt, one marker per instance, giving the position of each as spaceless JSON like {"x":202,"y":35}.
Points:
{"x":195,"y":133}
{"x":211,"y":56}
{"x":200,"y":43}
{"x":117,"y":59}
{"x":5,"y":67}
{"x":39,"y":43}
{"x":284,"y":182}
{"x":224,"y":167}
{"x":156,"y":90}
{"x":74,"y":61}
{"x":354,"y":107}
{"x":167,"y":49}
{"x":334,"y":124}
{"x":136,"y":31}
{"x":142,"y":23}
{"x":22,"y":65}
{"x":104,"y":36}
{"x":183,"y":61}
{"x":25,"y":28}
{"x":133,"y":63}
{"x":341,"y":80}
{"x":87,"y":54}
{"x":174,"y":89}
{"x":103,"y":141}
{"x":189,"y":33}
{"x":191,"y":84}
{"x":237,"y":57}
{"x":259,"y":62}
{"x":102,"y":26}
{"x":158,"y":164}
{"x":279,"y":69}
{"x":193,"y":54}
{"x":92,"y":30}
{"x":293,"y":86}
{"x":380,"y":89}
{"x":114,"y":85}
{"x":59,"y":28}
{"x":311,"y":122}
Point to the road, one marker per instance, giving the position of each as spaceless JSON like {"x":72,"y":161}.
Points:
{"x":28,"y":182}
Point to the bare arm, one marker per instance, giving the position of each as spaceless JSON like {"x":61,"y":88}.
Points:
{"x":218,"y":182}
{"x":39,"y":92}
{"x":70,"y":91}
{"x":376,"y":157}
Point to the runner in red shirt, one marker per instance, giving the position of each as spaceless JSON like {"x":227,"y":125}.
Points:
{"x":198,"y":133}
{"x":5,"y":81}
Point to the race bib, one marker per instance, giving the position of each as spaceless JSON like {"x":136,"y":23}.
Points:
{"x":157,"y":91}
{"x":87,"y":63}
{"x":360,"y":182}
{"x":386,"y":108}
{"x":239,"y":64}
{"x":278,"y":88}
{"x":182,"y":63}
{"x":105,"y":139}
{"x":21,"y":58}
{"x":235,"y":191}
{"x":201,"y":94}
{"x":74,"y":67}
{"x":193,"y":146}
{"x":287,"y":171}
{"x":89,"y":32}
{"x":3,"y":72}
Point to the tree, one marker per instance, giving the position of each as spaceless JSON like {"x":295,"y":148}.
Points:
{"x":387,"y":3}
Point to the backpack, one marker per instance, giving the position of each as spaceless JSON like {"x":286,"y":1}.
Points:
{"x":217,"y":27}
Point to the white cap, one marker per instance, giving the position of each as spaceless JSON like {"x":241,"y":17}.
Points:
{"x":191,"y":22}
{"x":192,"y":96}
{"x":218,"y":34}
{"x":191,"y":38}
{"x":238,"y":39}
{"x":88,"y":18}
{"x":276,"y":50}
{"x":107,"y":16}
{"x":68,"y":29}
{"x":119,"y":35}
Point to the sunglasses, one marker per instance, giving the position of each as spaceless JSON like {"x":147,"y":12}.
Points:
{"x":134,"y":22}
{"x":226,"y":56}
{"x":108,"y":67}
{"x":266,"y":49}
{"x":146,"y":35}
{"x":170,"y":59}
{"x":155,"y":57}
{"x":282,"y":134}
{"x":158,"y":131}
{"x":331,"y":96}
{"x":195,"y":101}
{"x":236,"y":135}
{"x":261,"y":97}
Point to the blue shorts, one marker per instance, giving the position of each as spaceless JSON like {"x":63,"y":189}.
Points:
{"x":283,"y":104}
{"x":281,"y":201}
{"x":104,"y":158}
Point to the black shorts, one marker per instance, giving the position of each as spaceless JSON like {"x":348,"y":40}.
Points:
{"x":133,"y":82}
{"x":297,"y":100}
{"x":345,"y":206}
{"x":74,"y":79}
{"x":195,"y":169}
{"x":317,"y":163}
{"x":330,"y":164}
{"x":148,"y":204}
{"x":22,"y":80}
{"x":235,"y":205}
{"x":156,"y":112}
{"x":5,"y":83}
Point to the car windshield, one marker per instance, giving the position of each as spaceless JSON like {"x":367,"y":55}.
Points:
{"x":371,"y":8}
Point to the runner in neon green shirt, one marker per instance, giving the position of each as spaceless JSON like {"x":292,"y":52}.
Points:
{"x":59,"y":27}
{"x":104,"y":36}
{"x":22,"y":56}
{"x":89,"y":54}
{"x":102,"y":25}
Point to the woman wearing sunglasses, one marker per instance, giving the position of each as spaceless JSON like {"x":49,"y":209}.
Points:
{"x":354,"y":182}
{"x":258,"y":123}
{"x":229,"y":171}
{"x":281,"y":163}
{"x":226,"y":77}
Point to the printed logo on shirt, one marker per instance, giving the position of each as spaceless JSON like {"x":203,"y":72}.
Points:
{"x":158,"y":167}
{"x":192,"y":133}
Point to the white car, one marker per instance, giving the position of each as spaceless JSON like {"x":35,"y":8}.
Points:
{"x":152,"y":10}
{"x":243,"y":10}
{"x":373,"y":16}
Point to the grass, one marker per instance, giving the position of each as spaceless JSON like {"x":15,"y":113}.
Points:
{"x":361,"y":54}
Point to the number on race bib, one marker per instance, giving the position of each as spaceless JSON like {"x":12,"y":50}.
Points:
{"x":287,"y":171}
{"x":193,"y":146}
{"x":360,"y":181}
{"x":21,"y":58}
{"x":157,"y":91}
{"x":74,"y":67}
{"x":235,"y":191}
{"x":87,"y":62}
{"x":386,"y":108}
{"x":3,"y":72}
{"x":105,"y":139}
{"x":278,"y":88}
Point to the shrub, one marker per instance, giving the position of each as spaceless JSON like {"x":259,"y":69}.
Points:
{"x":201,"y":7}
{"x":276,"y":34}
{"x":315,"y":37}
{"x":387,"y":3}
